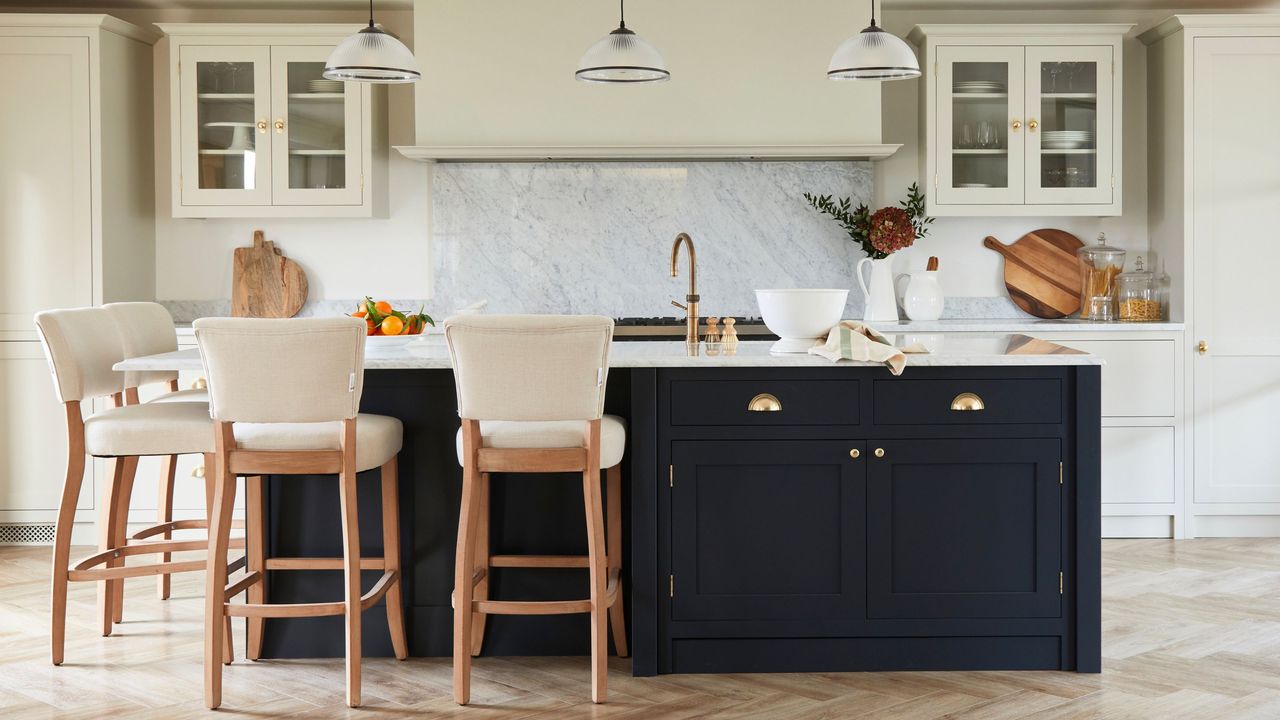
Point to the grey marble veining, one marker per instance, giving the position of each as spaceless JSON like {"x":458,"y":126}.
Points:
{"x":596,"y":237}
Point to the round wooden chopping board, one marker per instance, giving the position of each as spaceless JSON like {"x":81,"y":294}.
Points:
{"x":1041,"y":272}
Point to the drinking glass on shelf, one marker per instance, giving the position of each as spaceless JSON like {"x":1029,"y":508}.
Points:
{"x":984,"y":134}
{"x":966,"y":136}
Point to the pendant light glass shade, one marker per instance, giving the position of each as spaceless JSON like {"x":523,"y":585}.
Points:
{"x":372,"y":55}
{"x":874,"y":54}
{"x":622,"y":57}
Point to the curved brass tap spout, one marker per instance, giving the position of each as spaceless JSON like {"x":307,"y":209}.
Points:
{"x":691,"y":300}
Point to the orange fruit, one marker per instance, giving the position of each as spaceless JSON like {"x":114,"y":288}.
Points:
{"x":371,"y":326}
{"x":359,"y":313}
{"x":392,"y":325}
{"x":383,"y":307}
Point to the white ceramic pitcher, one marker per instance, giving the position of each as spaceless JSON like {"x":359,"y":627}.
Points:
{"x":923,"y":299}
{"x":881,"y":306}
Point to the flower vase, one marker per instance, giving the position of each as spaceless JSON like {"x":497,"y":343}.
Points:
{"x":881,"y":306}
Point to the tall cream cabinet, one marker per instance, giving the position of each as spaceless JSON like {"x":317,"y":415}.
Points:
{"x":256,"y":131}
{"x":77,"y":224}
{"x":1022,"y":119}
{"x":1214,"y":186}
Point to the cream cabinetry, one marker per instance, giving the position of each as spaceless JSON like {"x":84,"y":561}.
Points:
{"x":256,"y":131}
{"x":1214,"y":220}
{"x":1022,"y":119}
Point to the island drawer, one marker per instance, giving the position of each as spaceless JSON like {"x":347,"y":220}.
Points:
{"x":967,"y":401}
{"x":765,"y":402}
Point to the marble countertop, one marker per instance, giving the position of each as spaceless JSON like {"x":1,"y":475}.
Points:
{"x":430,"y":352}
{"x":1024,"y":325}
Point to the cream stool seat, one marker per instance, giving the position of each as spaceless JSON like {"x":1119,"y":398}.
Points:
{"x":193,"y":395}
{"x":512,"y":434}
{"x":150,"y":429}
{"x":378,"y":437}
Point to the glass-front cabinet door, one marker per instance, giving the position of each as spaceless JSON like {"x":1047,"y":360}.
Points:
{"x":1068,"y":118}
{"x":223,"y":134}
{"x":980,"y":126}
{"x":315,"y":130}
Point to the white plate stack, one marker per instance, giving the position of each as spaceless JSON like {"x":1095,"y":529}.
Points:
{"x":324,"y":86}
{"x":978,"y":86}
{"x":1066,"y":139}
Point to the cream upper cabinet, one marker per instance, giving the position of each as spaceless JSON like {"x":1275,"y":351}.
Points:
{"x":256,"y":130}
{"x":1022,"y":120}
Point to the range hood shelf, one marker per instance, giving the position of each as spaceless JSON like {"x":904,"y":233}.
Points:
{"x":633,"y":153}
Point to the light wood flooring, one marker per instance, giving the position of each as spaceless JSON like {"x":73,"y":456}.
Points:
{"x":1191,"y":630}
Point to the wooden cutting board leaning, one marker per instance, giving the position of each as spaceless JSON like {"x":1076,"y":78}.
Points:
{"x":1041,"y":272}
{"x":264,"y":283}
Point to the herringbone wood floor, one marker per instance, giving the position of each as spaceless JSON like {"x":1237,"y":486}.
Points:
{"x":1191,"y":630}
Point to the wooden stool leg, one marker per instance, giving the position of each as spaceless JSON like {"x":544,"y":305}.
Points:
{"x":596,"y":561}
{"x":351,"y":557}
{"x":210,"y":488}
{"x":215,"y":614}
{"x":107,"y":519}
{"x":62,"y":531}
{"x":255,"y":559}
{"x":464,"y":563}
{"x":613,"y":525}
{"x":482,"y":562}
{"x":391,"y":557}
{"x":124,"y":498}
{"x":164,"y":514}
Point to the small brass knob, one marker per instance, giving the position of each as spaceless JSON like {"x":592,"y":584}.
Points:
{"x":199,"y":384}
{"x":1032,"y":124}
{"x":855,"y":453}
{"x":1203,"y":347}
{"x":262,"y":126}
{"x":197,"y":471}
{"x":1016,"y":125}
{"x":879,"y":452}
{"x":967,"y":402}
{"x":279,"y":125}
{"x":764,"y":402}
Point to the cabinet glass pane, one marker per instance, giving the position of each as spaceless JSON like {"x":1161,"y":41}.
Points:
{"x":1068,"y":124}
{"x":224,"y":112}
{"x":317,"y":128}
{"x":979,"y":135}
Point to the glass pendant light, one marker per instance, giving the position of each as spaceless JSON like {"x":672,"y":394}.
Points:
{"x":622,"y":57}
{"x":873,"y":54}
{"x":372,"y":55}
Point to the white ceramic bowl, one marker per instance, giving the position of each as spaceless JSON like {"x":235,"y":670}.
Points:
{"x":799,"y":317}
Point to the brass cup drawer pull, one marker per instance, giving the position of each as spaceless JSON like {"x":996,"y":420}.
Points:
{"x":967,"y":402}
{"x":764,"y":402}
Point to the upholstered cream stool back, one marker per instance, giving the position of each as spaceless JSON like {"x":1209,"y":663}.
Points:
{"x":530,"y":367}
{"x":82,"y":345}
{"x":146,"y":328}
{"x":297,"y":370}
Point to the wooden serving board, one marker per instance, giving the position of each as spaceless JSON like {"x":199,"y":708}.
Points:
{"x":1041,"y":272}
{"x":264,"y":283}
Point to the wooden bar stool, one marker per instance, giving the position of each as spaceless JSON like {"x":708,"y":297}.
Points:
{"x":82,"y":346}
{"x":531,"y":398}
{"x":285,"y":399}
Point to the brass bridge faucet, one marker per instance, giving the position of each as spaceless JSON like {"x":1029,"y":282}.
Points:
{"x":691,"y":300}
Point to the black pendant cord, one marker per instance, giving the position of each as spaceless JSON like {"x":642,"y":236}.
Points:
{"x":873,"y":12}
{"x":622,"y":13}
{"x":371,"y":12}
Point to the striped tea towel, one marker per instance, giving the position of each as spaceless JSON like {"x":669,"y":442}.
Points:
{"x":851,"y":340}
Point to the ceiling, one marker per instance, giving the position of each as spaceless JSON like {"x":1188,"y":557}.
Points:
{"x":902,"y":4}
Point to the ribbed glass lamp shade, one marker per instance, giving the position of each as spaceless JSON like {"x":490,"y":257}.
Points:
{"x":622,"y":57}
{"x":372,"y":55}
{"x":874,"y":54}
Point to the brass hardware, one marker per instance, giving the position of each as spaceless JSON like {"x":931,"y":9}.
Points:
{"x":262,"y":126}
{"x":691,"y":299}
{"x":671,"y":586}
{"x":671,"y":475}
{"x":855,"y":453}
{"x":935,"y":181}
{"x":279,"y":125}
{"x":1061,"y":582}
{"x":967,"y":402}
{"x":197,"y":471}
{"x":1203,"y":347}
{"x":764,"y":402}
{"x":1059,"y":473}
{"x":879,"y":452}
{"x":1016,"y":125}
{"x":199,"y":384}
{"x":1032,"y":124}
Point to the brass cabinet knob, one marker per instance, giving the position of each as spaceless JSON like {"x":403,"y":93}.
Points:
{"x":262,"y":126}
{"x":279,"y":125}
{"x":879,"y":452}
{"x":764,"y":402}
{"x":1203,"y":347}
{"x":1032,"y":124}
{"x":967,"y":402}
{"x":1016,"y":125}
{"x":199,"y":384}
{"x":855,"y":453}
{"x":197,"y":471}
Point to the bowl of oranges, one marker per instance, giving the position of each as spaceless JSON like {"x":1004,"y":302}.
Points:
{"x":388,"y":325}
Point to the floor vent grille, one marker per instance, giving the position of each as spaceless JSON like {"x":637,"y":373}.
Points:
{"x":26,"y":533}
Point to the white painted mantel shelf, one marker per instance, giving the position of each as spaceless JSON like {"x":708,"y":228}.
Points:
{"x":619,"y":153}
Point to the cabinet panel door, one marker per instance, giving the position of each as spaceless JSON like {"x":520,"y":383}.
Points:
{"x":316,"y":147}
{"x":1234,"y":217}
{"x":1139,"y":464}
{"x":46,"y":231}
{"x":767,"y":530}
{"x":964,"y":529}
{"x":1069,"y":139}
{"x":225,"y":135}
{"x":980,"y":152}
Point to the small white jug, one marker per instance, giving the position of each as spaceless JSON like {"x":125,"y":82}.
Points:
{"x":923,"y":299}
{"x":880,"y":303}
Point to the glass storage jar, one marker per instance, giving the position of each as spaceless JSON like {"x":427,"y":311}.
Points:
{"x":1138,"y":295}
{"x":1099,"y":266}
